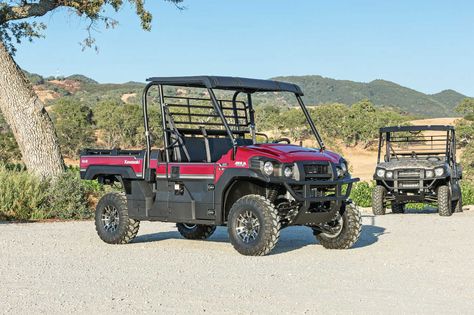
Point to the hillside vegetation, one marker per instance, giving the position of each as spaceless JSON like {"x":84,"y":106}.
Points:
{"x":319,"y":90}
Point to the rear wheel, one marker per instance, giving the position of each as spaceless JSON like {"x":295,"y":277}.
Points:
{"x":195,"y":231}
{"x":343,"y":232}
{"x":445,"y":207}
{"x":398,"y":207}
{"x":254,"y":226}
{"x":378,"y":200}
{"x":112,"y":222}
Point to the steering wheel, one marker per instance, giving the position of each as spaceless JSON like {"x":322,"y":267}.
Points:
{"x":288,"y":141}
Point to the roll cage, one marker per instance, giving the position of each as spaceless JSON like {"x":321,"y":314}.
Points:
{"x":407,"y":141}
{"x":232,"y":119}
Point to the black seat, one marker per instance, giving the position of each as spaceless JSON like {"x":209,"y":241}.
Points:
{"x":196,"y":148}
{"x":220,"y":146}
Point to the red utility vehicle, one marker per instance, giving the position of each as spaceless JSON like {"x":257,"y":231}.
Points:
{"x":213,"y":171}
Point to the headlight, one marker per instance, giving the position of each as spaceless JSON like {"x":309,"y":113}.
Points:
{"x":344,"y":167}
{"x":268,"y":168}
{"x":389,"y":174}
{"x":340,"y":172}
{"x":380,"y":172}
{"x":288,"y":172}
{"x":439,"y":171}
{"x":429,"y":173}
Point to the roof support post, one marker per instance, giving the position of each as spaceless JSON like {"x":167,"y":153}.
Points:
{"x":253,"y":132}
{"x":311,"y":123}
{"x":146,"y":158}
{"x":224,"y":121}
{"x":164,"y":124}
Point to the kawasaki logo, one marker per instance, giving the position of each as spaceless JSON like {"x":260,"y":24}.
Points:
{"x":131,"y":162}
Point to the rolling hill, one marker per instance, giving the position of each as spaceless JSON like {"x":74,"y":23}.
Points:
{"x":318,"y":90}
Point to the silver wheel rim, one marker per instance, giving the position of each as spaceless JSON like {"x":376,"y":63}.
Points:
{"x":110,"y":219}
{"x":248,"y":226}
{"x":189,"y":226}
{"x":334,"y":230}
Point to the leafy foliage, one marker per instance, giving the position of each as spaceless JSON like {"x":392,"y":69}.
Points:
{"x":26,"y":197}
{"x":122,"y":124}
{"x":320,"y":90}
{"x":67,"y":198}
{"x":465,"y":136}
{"x":21,"y":195}
{"x":74,"y":128}
{"x":357,"y":124}
{"x":466,"y":107}
{"x":361,"y":194}
{"x":15,"y":24}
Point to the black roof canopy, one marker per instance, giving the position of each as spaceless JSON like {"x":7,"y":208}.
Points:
{"x":229,"y":83}
{"x":417,"y":128}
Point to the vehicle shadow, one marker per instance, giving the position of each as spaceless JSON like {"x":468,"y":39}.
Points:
{"x":426,"y":210}
{"x":291,"y":238}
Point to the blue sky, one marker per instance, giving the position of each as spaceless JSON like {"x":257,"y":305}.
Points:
{"x":425,"y":45}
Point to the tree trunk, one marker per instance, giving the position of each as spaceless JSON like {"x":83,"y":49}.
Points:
{"x":28,"y":119}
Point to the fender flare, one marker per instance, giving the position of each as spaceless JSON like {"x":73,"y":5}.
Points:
{"x":94,"y":171}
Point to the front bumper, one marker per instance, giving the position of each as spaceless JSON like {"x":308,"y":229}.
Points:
{"x":319,"y":208}
{"x":415,"y":188}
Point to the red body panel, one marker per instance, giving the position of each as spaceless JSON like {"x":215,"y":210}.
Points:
{"x":284,"y":153}
{"x":120,"y":160}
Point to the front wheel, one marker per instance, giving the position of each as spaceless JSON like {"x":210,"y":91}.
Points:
{"x":378,"y":200}
{"x":195,"y":231}
{"x":445,"y":206}
{"x":112,"y":222}
{"x":343,"y":232}
{"x":254,"y":225}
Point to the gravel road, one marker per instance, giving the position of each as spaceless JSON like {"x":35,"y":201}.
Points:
{"x":412,"y":263}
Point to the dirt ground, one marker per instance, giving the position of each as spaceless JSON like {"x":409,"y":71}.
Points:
{"x":413,"y":263}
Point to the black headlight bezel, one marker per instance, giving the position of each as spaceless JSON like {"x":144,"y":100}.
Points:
{"x":338,"y":167}
{"x":258,"y":163}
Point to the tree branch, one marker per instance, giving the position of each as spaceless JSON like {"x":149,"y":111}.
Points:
{"x":26,"y":10}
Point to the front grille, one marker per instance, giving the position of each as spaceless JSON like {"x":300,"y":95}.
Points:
{"x":409,"y":174}
{"x":409,"y":184}
{"x":311,"y":169}
{"x":317,"y":171}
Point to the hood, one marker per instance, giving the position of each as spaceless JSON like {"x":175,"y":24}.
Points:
{"x":286,"y":153}
{"x":410,"y":163}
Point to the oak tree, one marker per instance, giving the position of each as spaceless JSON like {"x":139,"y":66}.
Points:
{"x":21,"y":107}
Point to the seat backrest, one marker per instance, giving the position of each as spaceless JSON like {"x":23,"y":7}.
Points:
{"x":197,"y":148}
{"x":220,"y":146}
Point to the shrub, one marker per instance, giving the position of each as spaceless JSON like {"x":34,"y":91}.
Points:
{"x":21,"y":194}
{"x":361,"y":194}
{"x":467,"y":188}
{"x":68,"y":198}
{"x":25,"y":197}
